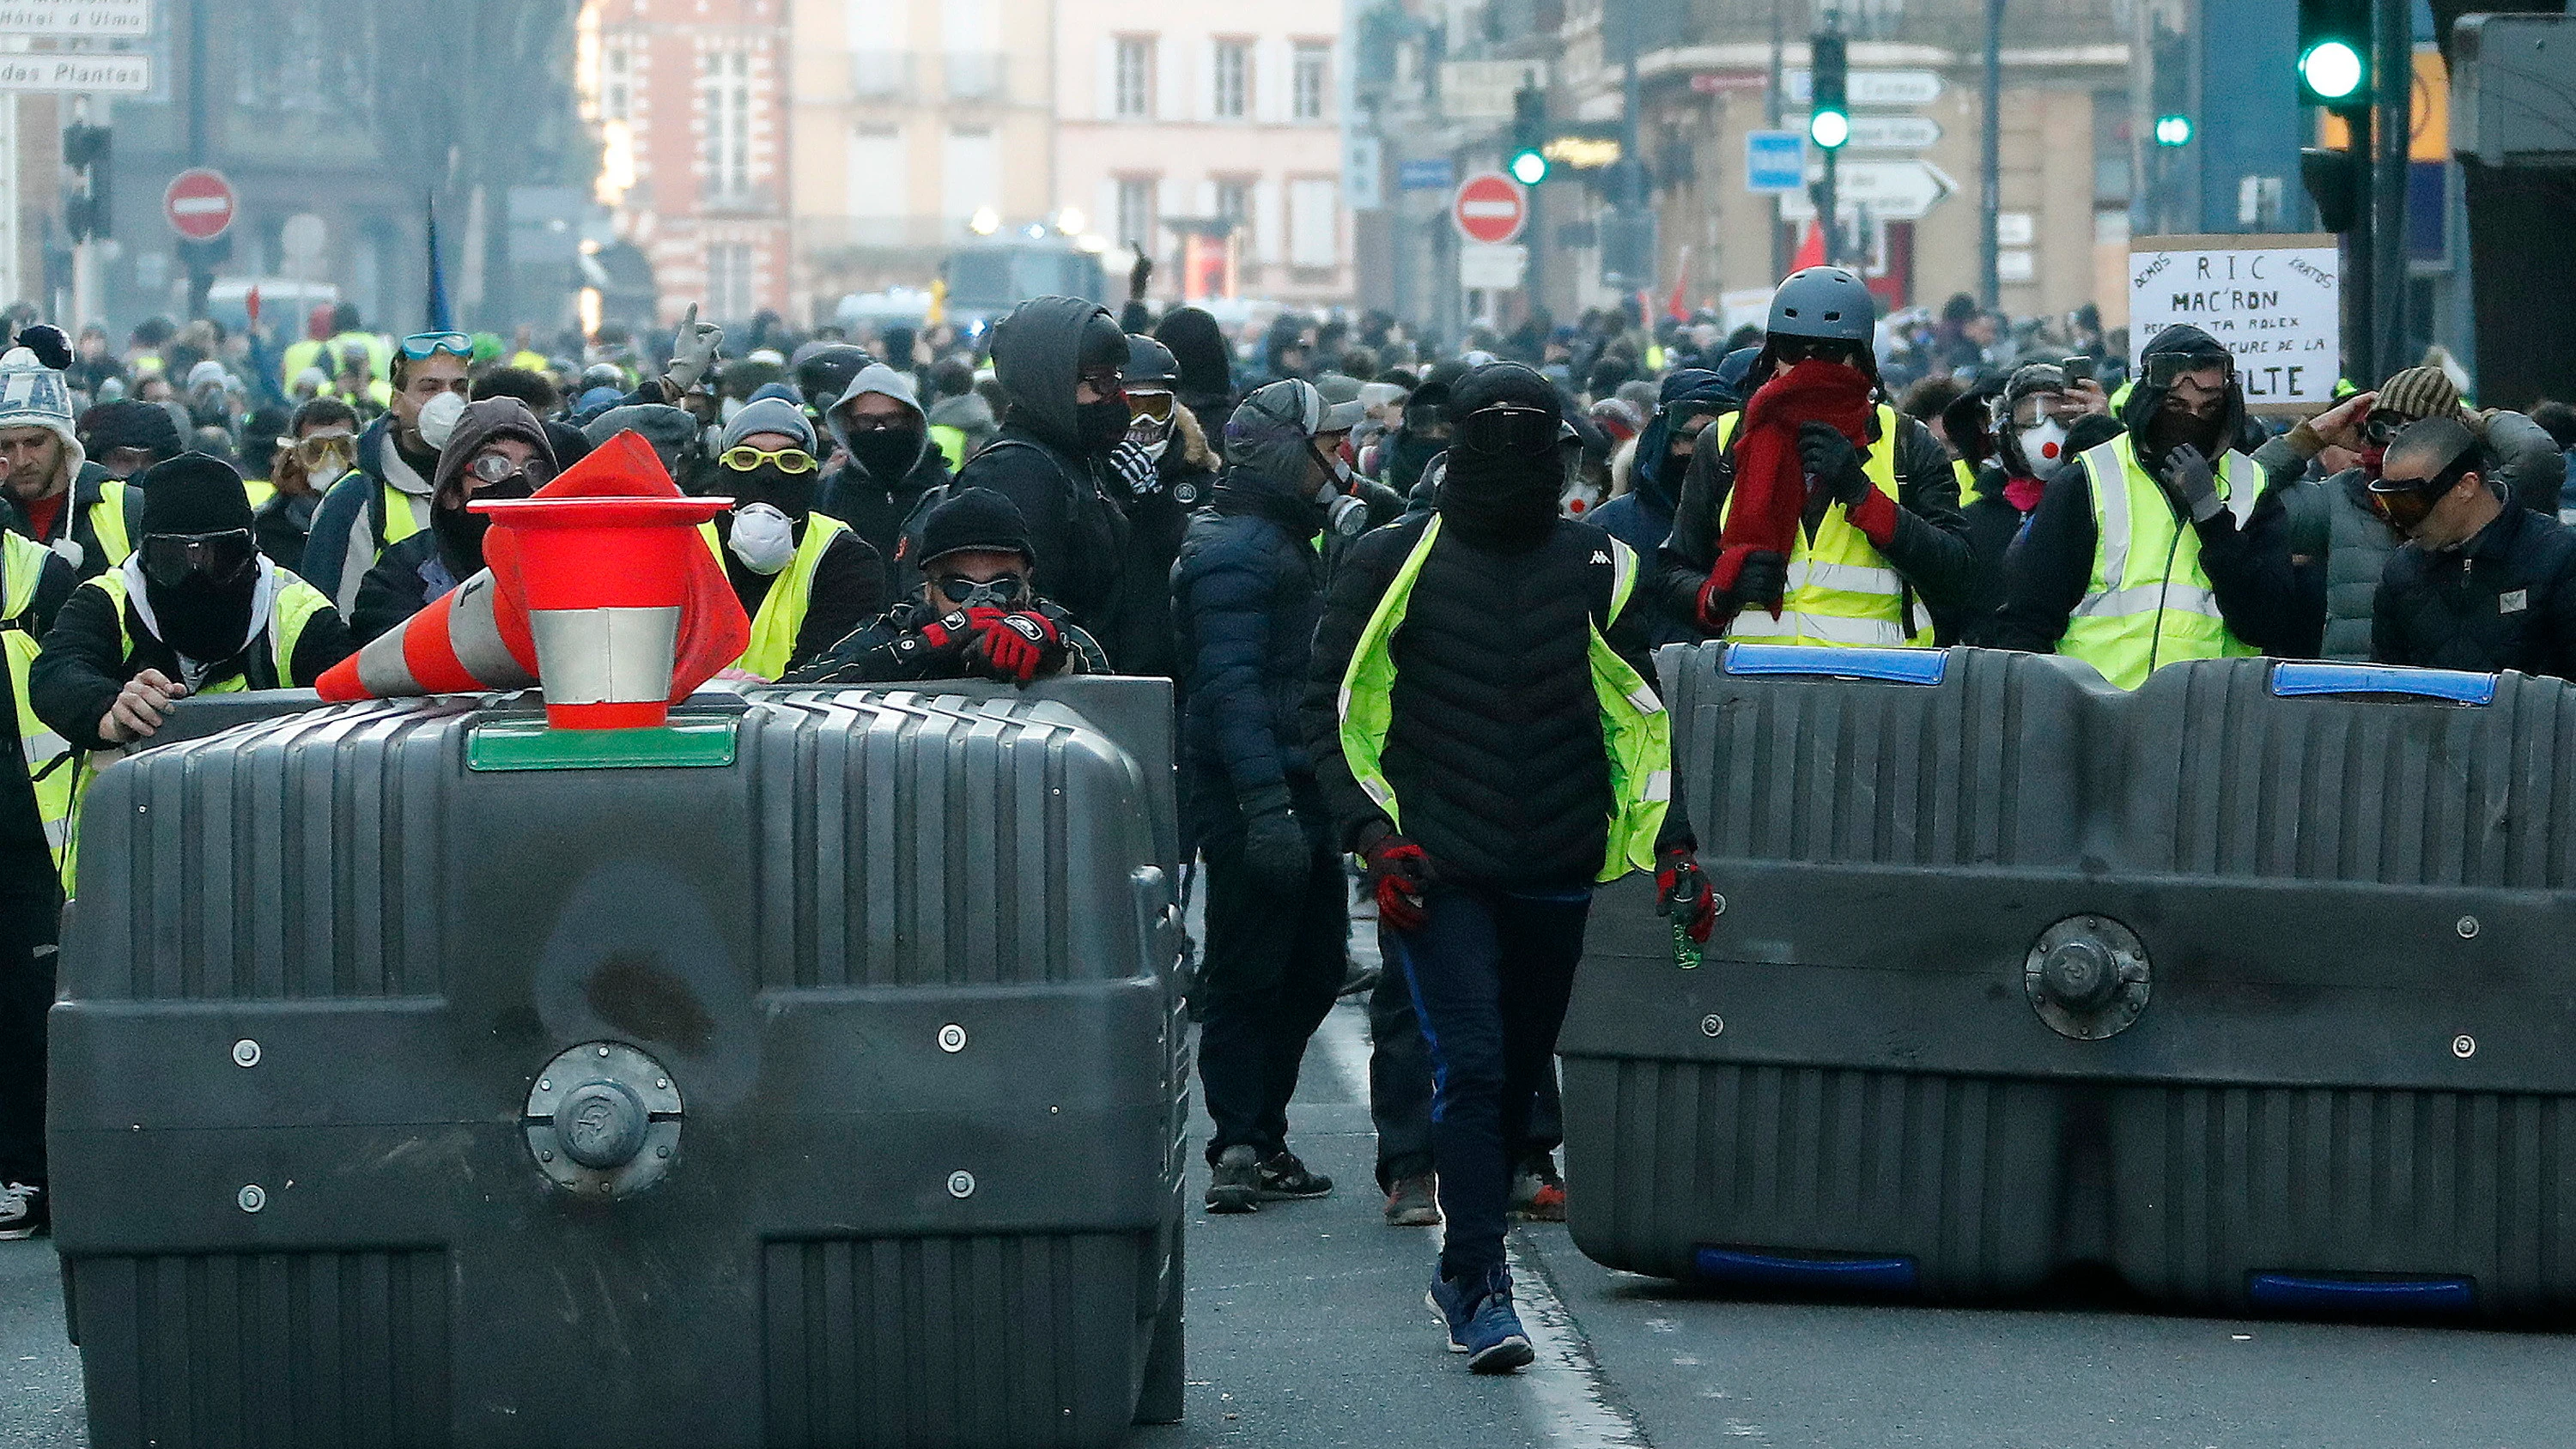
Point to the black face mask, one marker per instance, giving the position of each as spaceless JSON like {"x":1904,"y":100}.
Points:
{"x":1100,"y":426}
{"x":1413,"y":453}
{"x":2167,"y":431}
{"x":460,"y":537}
{"x":202,"y":619}
{"x":789,"y":493}
{"x":886,"y":454}
{"x":1502,"y":498}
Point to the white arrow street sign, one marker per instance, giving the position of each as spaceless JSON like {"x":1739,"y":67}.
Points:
{"x":1887,"y":190}
{"x":1893,"y":133}
{"x":1872,"y":87}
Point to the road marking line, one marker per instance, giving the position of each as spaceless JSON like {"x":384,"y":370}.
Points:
{"x":1570,"y":1396}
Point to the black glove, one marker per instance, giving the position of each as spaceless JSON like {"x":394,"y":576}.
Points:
{"x":2190,"y":484}
{"x":1760,"y":581}
{"x":1832,"y":461}
{"x":1275,"y":848}
{"x":1138,"y":275}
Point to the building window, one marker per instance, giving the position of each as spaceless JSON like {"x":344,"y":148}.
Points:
{"x":729,"y":280}
{"x":1134,"y":79}
{"x":1136,"y":219}
{"x":1234,"y":202}
{"x":724,"y":108}
{"x":1313,"y":90}
{"x":879,"y":181}
{"x":617,"y":82}
{"x":1314,"y":223}
{"x":1232,"y":79}
{"x":972,"y":174}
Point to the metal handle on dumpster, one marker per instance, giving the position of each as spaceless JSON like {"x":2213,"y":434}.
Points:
{"x":2294,"y":679}
{"x":1888,"y":666}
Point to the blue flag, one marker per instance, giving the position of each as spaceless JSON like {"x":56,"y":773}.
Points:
{"x":441,"y":317}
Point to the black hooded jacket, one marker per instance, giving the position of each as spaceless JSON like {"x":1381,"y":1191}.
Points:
{"x":1207,"y":370}
{"x":1642,"y":517}
{"x":1037,"y":462}
{"x":2048,"y":573}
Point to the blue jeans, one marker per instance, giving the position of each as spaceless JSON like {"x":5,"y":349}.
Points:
{"x":1491,"y":972}
{"x":1400,"y":1082}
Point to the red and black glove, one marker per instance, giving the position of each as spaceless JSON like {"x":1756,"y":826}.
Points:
{"x":947,"y":636}
{"x":1682,"y":892}
{"x":1021,"y":646}
{"x":1397,"y":873}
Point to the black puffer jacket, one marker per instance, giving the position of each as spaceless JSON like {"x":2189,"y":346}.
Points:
{"x":1037,"y":461}
{"x":2506,"y":599}
{"x":1246,"y":592}
{"x":1494,"y":750}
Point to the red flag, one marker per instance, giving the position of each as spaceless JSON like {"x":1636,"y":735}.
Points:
{"x":1811,"y":249}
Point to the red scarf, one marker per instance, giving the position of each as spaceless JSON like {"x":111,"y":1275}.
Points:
{"x":1770,"y":482}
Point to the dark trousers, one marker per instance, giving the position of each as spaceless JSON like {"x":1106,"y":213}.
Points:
{"x":1400,"y":1082}
{"x":1491,"y":972}
{"x":30,"y":918}
{"x":1274,"y":961}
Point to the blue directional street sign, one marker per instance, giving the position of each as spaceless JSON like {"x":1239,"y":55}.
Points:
{"x":1428,"y":173}
{"x":1775,"y":161}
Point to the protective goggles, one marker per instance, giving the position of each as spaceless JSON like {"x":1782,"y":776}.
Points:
{"x":981,"y":593}
{"x":1150,"y":406}
{"x":497,"y":468}
{"x":1104,"y":378}
{"x":2164,"y":369}
{"x":2404,"y":502}
{"x":743,"y":459}
{"x":227,"y":557}
{"x":313,"y":450}
{"x":1790,"y":351}
{"x":423,"y":345}
{"x":2381,"y":428}
{"x":1508,"y":429}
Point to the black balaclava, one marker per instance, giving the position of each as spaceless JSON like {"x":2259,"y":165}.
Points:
{"x":1506,"y":500}
{"x":886,"y":454}
{"x":200,"y":618}
{"x":1101,"y":425}
{"x":2160,"y":432}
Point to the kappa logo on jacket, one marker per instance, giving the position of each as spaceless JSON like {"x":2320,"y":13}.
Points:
{"x":1600,"y":557}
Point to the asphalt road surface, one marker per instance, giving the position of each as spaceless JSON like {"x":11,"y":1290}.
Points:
{"x":1307,"y":1330}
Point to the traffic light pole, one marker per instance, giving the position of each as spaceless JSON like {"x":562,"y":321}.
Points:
{"x":2359,"y":324}
{"x":2393,"y":64}
{"x":1828,"y":218}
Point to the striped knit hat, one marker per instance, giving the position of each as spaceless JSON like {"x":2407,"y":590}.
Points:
{"x":2420,"y":392}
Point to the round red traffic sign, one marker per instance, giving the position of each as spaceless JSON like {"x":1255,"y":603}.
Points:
{"x":199,"y":204}
{"x":1490,"y":207}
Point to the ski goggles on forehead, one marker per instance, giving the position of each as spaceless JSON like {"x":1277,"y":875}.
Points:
{"x":2381,"y":428}
{"x":959,"y":589}
{"x":744,"y":459}
{"x":2164,"y":369}
{"x":423,"y":345}
{"x":1508,"y":429}
{"x":227,"y":557}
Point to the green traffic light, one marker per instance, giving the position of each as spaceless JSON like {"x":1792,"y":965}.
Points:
{"x":2173,"y":130}
{"x":1529,"y":168}
{"x":2332,"y":69}
{"x":1829,"y":129}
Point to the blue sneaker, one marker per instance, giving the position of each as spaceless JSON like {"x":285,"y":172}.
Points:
{"x":1481,"y":1323}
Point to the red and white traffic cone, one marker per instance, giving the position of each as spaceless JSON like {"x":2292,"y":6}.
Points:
{"x":606,"y":581}
{"x":467,"y":640}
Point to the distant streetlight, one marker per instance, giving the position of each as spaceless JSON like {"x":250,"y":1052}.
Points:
{"x":985,"y":221}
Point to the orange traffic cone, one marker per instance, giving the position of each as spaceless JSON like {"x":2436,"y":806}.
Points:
{"x":599,"y":588}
